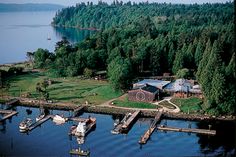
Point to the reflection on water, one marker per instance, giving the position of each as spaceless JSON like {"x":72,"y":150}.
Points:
{"x":52,"y":140}
{"x":73,"y":34}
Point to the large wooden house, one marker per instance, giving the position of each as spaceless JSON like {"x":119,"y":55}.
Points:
{"x":144,"y":93}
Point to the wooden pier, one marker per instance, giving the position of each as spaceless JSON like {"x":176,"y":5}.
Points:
{"x":78,"y":110}
{"x":7,"y":114}
{"x":188,"y":130}
{"x":77,"y":119}
{"x":131,"y":119}
{"x":39,"y":122}
{"x":12,"y":102}
{"x":148,"y":133}
{"x":126,"y":122}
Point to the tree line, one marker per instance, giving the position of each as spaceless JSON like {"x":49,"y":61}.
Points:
{"x":150,"y":39}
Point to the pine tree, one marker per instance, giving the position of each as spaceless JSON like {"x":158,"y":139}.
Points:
{"x":204,"y":60}
{"x":198,"y":53}
{"x":179,"y":60}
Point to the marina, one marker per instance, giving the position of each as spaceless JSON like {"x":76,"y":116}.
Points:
{"x":101,"y":138}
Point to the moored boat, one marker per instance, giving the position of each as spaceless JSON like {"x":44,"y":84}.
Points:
{"x":59,"y":119}
{"x":83,"y":127}
{"x":24,"y":125}
{"x":40,"y":117}
{"x":80,"y":152}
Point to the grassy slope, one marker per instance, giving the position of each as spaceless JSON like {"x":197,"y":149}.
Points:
{"x":188,"y":105}
{"x":65,"y":90}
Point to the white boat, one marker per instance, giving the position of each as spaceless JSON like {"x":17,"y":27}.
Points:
{"x":83,"y":127}
{"x":116,"y":122}
{"x":24,"y":125}
{"x":59,"y":119}
{"x":40,"y":117}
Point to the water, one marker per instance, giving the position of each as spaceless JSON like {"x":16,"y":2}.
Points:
{"x":53,"y":140}
{"x":21,"y":32}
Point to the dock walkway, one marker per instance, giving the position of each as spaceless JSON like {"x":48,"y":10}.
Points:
{"x":148,"y":133}
{"x":126,"y":122}
{"x":12,"y":101}
{"x":7,"y":114}
{"x":78,"y":110}
{"x":189,"y":130}
{"x":39,"y":122}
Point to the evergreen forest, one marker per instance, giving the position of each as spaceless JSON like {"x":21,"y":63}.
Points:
{"x":149,"y":39}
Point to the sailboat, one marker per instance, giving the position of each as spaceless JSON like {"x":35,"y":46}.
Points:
{"x":48,"y":38}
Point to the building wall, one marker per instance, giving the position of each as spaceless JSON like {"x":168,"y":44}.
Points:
{"x":141,"y":96}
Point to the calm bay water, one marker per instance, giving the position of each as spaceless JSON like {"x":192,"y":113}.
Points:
{"x":53,"y":140}
{"x":27,"y":31}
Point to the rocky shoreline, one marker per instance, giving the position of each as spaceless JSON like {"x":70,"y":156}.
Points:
{"x":112,"y":110}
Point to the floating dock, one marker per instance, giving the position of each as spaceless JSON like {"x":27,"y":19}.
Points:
{"x":148,"y":133}
{"x":39,"y":122}
{"x":188,"y":130}
{"x":7,"y":114}
{"x":126,"y":122}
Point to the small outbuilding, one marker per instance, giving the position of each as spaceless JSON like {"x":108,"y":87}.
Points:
{"x":144,"y":93}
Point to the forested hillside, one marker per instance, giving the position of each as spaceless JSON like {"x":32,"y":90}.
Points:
{"x":138,"y":39}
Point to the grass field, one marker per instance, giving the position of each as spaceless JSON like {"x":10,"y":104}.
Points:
{"x":64,"y":89}
{"x":131,"y":104}
{"x":188,"y":105}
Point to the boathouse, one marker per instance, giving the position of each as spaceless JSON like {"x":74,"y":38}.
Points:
{"x":144,"y":93}
{"x":156,"y":83}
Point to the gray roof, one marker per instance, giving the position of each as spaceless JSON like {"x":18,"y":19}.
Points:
{"x":156,"y":83}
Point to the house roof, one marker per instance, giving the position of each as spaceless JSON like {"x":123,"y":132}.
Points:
{"x":156,"y":83}
{"x":148,"y":88}
{"x":182,"y":85}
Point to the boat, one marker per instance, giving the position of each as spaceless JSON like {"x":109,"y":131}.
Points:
{"x":83,"y":127}
{"x":80,"y":152}
{"x":24,"y":125}
{"x":48,"y":38}
{"x":40,"y":117}
{"x":59,"y":119}
{"x":118,"y":124}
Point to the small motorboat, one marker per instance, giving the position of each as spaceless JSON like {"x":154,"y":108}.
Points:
{"x":24,"y":125}
{"x":116,"y":122}
{"x":59,"y":119}
{"x":80,"y":152}
{"x":40,"y":117}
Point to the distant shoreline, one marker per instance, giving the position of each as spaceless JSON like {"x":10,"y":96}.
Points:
{"x":77,"y":27}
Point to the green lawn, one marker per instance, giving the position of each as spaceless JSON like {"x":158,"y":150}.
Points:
{"x":70,"y":89}
{"x":133,"y":104}
{"x":190,"y":105}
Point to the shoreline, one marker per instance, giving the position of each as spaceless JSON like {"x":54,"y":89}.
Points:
{"x":113,"y":110}
{"x":77,"y":27}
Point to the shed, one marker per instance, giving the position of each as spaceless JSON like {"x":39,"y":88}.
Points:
{"x":145,"y":93}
